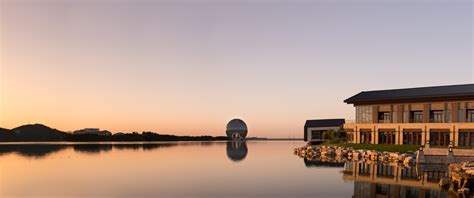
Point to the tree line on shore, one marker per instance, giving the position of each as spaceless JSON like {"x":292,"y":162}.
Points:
{"x":39,"y":132}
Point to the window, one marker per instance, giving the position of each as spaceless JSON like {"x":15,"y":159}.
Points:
{"x":470,"y":116}
{"x":439,"y":138}
{"x":461,"y":115}
{"x":364,"y":114}
{"x":472,"y":139}
{"x":448,"y":115}
{"x":350,"y":137}
{"x":417,"y":117}
{"x":436,"y":116}
{"x":316,"y":135}
{"x":412,"y":137}
{"x":463,"y":139}
{"x":365,"y":136}
{"x":386,"y":137}
{"x":466,"y":138}
{"x":384,"y":117}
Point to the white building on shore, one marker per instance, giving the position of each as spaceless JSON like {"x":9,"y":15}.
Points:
{"x":94,"y":131}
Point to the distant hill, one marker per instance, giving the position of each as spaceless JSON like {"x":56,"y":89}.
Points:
{"x":2,"y":131}
{"x":38,"y":132}
{"x":6,"y":135}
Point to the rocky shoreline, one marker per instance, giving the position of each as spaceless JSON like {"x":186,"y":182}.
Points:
{"x":460,"y":177}
{"x":348,"y":153}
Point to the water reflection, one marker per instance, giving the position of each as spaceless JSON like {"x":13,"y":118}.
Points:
{"x":318,"y":163}
{"x":395,"y":180}
{"x":171,"y":169}
{"x":31,"y":150}
{"x":92,"y":148}
{"x":237,"y":150}
{"x":374,"y":179}
{"x":43,"y":150}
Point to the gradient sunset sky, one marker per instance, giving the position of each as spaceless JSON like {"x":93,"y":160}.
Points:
{"x":189,"y":66}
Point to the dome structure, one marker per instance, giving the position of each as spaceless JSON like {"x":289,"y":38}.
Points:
{"x":236,"y":129}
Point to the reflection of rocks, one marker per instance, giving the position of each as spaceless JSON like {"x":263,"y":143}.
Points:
{"x":31,"y":150}
{"x":348,"y":153}
{"x":236,"y":150}
{"x":322,"y":163}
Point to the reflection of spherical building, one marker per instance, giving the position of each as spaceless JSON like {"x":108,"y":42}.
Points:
{"x":236,"y":150}
{"x":236,"y":129}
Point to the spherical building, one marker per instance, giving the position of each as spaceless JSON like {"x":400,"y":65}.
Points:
{"x":236,"y":129}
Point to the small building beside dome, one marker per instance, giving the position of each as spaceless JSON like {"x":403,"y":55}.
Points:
{"x":314,"y":129}
{"x":236,"y":129}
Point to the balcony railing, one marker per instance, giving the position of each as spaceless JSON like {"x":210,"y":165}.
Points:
{"x":436,"y":121}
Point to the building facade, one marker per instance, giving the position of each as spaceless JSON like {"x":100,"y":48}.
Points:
{"x":314,"y":129}
{"x":438,"y":116}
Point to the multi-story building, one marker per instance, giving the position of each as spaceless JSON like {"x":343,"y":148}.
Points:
{"x":438,"y":116}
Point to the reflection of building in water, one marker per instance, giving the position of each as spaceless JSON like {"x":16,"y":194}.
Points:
{"x":237,"y":150}
{"x":385,"y":180}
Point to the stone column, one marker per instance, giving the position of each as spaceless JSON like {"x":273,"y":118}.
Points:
{"x":454,"y":112}
{"x":375,"y":136}
{"x":423,"y":140}
{"x":456,"y":136}
{"x":356,"y":136}
{"x":375,"y":114}
{"x":426,"y":113}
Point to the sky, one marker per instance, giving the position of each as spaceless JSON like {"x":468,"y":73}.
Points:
{"x":187,"y":67}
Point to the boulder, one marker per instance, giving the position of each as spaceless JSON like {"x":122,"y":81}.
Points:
{"x":356,"y":155}
{"x":455,"y":167}
{"x":470,"y":172}
{"x":468,"y":165}
{"x":444,"y":182}
{"x":464,"y":191}
{"x":394,"y":156}
{"x":330,"y":151}
{"x":373,"y":157}
{"x":408,"y":160}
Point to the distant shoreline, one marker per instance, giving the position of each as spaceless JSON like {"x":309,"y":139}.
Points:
{"x":131,"y":142}
{"x":42,"y":133}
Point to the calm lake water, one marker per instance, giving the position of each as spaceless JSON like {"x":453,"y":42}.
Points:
{"x":188,"y":169}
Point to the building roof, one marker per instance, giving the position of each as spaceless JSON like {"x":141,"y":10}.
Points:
{"x":465,"y":91}
{"x":324,"y":123}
